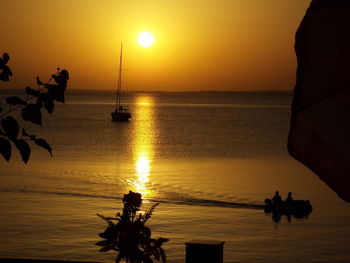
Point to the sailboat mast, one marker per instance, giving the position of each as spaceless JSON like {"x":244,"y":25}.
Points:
{"x":119,"y":88}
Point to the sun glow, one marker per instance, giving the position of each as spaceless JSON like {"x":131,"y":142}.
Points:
{"x":145,"y":39}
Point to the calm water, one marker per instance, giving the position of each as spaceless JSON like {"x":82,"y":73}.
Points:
{"x":209,"y":158}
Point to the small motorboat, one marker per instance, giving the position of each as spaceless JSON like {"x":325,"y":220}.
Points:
{"x":297,"y":208}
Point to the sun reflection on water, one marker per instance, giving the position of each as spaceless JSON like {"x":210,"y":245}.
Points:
{"x":143,"y":169}
{"x":143,"y":144}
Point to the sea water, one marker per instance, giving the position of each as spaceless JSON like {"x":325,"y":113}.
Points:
{"x":209,"y":158}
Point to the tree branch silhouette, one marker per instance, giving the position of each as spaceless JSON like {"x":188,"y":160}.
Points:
{"x":45,"y":96}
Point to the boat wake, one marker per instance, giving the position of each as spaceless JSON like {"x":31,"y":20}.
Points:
{"x":210,"y":203}
{"x":188,"y":201}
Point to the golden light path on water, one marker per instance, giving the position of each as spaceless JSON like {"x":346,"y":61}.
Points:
{"x":143,"y":144}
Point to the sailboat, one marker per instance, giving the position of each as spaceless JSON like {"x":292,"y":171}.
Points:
{"x":120,"y":113}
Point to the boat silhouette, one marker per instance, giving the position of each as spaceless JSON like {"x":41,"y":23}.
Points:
{"x":120,"y":114}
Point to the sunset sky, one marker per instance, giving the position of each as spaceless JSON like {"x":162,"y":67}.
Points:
{"x":199,"y":45}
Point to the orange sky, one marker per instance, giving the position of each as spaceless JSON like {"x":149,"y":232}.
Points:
{"x":199,"y":45}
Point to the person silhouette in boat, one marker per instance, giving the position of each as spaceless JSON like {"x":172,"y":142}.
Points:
{"x":289,"y":198}
{"x":277,"y":200}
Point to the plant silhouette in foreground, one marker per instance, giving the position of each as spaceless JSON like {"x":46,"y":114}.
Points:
{"x":45,"y":95}
{"x":127,"y":233}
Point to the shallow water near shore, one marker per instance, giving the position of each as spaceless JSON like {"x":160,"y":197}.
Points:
{"x":210,"y":159}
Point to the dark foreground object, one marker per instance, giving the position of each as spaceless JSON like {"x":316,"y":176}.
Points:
{"x":297,"y":208}
{"x":320,"y":129}
{"x":204,"y":251}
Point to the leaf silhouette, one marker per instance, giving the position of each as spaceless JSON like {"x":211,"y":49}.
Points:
{"x":42,"y":143}
{"x":23,"y":148}
{"x":32,"y":92}
{"x":102,"y":243}
{"x":159,"y":242}
{"x":10,"y":126}
{"x":49,"y":104}
{"x":162,"y":254}
{"x":105,"y":249}
{"x":155,"y":253}
{"x":40,"y":100}
{"x":5,"y":148}
{"x":57,"y":93}
{"x":103,"y":235}
{"x":31,"y":113}
{"x":38,"y":81}
{"x":14,"y":100}
{"x":24,"y":133}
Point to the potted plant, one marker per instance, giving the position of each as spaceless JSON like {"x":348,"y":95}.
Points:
{"x":127,"y":234}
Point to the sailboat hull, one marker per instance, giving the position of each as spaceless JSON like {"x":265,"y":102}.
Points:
{"x":120,"y":116}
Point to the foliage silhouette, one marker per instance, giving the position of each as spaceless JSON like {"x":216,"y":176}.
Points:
{"x":127,"y":234}
{"x":45,"y":96}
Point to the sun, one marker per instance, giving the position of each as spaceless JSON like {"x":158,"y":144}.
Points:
{"x":145,"y":39}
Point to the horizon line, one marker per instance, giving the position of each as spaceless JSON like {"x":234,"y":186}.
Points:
{"x":168,"y":91}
